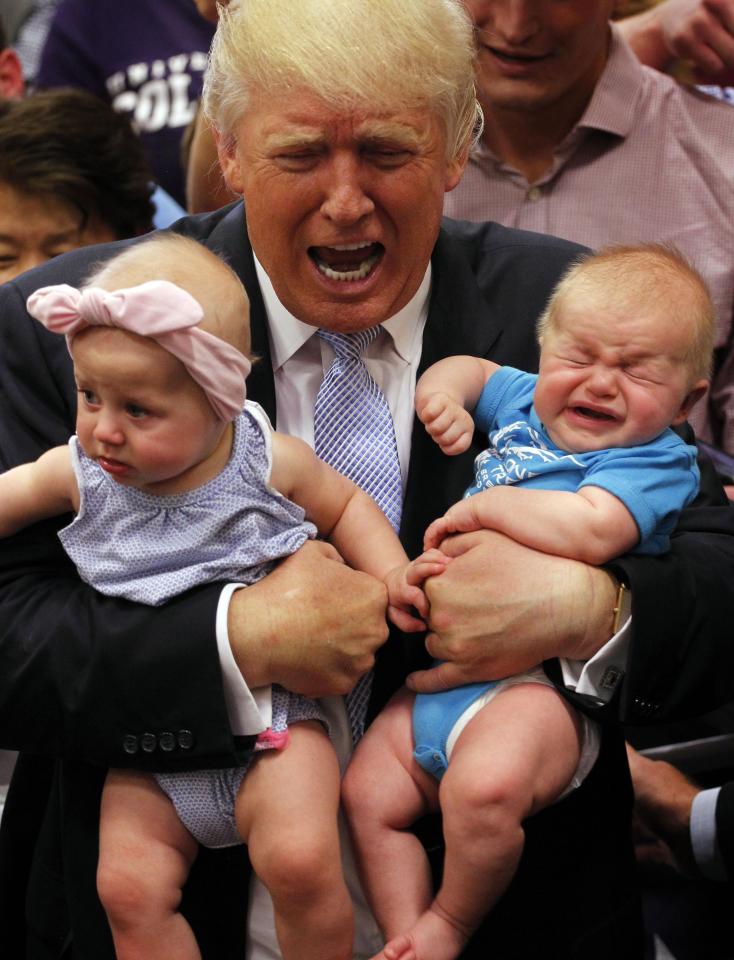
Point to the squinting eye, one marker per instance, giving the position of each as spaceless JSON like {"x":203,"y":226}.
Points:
{"x":89,"y":397}
{"x":135,"y":411}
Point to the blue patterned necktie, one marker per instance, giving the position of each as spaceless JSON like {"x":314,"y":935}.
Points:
{"x":354,"y":433}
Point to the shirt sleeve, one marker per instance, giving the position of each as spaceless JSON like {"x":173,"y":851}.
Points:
{"x":249,"y":710}
{"x":704,"y":840}
{"x":507,"y":387}
{"x":655,"y":482}
{"x":599,"y":676}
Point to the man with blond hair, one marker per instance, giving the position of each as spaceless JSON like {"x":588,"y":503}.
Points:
{"x":343,"y":126}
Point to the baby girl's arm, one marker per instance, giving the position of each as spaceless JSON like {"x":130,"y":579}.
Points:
{"x":591,"y":525}
{"x":353,"y":523}
{"x":33,"y":491}
{"x":445,"y":395}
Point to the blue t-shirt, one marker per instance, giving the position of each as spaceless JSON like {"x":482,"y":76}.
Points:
{"x":655,"y":481}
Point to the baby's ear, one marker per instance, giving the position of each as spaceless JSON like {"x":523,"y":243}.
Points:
{"x":696,"y":392}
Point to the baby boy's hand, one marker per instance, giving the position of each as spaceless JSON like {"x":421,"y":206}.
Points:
{"x":459,"y":518}
{"x":447,"y":422}
{"x":404,"y":590}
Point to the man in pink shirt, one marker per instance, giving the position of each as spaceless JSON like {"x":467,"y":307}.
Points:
{"x":583,"y":142}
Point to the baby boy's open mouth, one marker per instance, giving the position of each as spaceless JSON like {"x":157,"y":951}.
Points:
{"x":593,"y":414}
{"x":349,"y":261}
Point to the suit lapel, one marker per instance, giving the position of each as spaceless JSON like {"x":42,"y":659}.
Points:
{"x":460,"y":321}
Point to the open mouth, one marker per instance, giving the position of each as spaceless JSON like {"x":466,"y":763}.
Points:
{"x":593,"y":414}
{"x":347,"y":262}
{"x":112,"y":466}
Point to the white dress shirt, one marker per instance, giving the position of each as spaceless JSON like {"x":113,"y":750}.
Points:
{"x":300,"y":359}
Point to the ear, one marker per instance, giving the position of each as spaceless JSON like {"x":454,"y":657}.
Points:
{"x":455,"y":169}
{"x":11,"y":75}
{"x":229,"y":160}
{"x":690,"y":400}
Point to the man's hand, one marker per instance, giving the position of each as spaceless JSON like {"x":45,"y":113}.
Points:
{"x":313,"y":625}
{"x":404,"y":590}
{"x":700,"y":31}
{"x":663,"y":800}
{"x":500,"y":608}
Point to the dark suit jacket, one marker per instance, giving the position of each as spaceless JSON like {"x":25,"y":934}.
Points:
{"x":84,"y":677}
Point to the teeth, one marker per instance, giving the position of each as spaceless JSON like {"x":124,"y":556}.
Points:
{"x":350,"y":246}
{"x":346,"y":275}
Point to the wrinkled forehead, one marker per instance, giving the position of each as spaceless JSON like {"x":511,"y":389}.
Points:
{"x":313,"y":120}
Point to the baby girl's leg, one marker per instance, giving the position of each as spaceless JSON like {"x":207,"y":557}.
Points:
{"x":145,"y":854}
{"x":513,"y":758}
{"x":384,"y":792}
{"x":286,"y":812}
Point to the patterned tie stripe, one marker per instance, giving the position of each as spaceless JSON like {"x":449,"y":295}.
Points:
{"x":354,"y":433}
{"x":353,"y":427}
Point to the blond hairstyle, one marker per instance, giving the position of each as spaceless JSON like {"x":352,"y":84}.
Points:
{"x":638,"y":279}
{"x":381,"y":55}
{"x":194,"y":268}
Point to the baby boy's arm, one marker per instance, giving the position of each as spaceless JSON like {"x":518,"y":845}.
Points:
{"x":445,"y":396}
{"x":591,"y":525}
{"x":33,"y":491}
{"x":353,"y":523}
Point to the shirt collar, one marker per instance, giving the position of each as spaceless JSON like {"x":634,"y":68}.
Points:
{"x":612,"y":105}
{"x":288,"y":334}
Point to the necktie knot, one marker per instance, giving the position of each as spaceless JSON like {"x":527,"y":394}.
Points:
{"x":349,"y":346}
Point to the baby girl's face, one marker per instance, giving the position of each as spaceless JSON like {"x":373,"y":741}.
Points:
{"x":612,"y":381}
{"x":141,"y":417}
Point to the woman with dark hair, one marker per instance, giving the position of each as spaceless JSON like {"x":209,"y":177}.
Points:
{"x":72,"y":172}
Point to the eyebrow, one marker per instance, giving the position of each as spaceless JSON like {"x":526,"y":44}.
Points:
{"x":300,"y":137}
{"x":373,"y":130}
{"x":390,"y":130}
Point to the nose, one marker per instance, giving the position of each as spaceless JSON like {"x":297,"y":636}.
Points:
{"x":514,"y":21}
{"x":602,"y":381}
{"x":346,"y":200}
{"x":107,"y":430}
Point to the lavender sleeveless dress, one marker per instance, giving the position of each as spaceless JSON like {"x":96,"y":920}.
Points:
{"x":146,"y":548}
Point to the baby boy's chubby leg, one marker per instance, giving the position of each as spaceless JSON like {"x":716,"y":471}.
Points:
{"x":286,"y":812}
{"x":513,"y":758}
{"x":383,"y":793}
{"x":145,"y":854}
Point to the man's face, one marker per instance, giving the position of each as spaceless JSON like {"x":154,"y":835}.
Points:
{"x":535,"y":53}
{"x":33,"y":229}
{"x":343,"y":207}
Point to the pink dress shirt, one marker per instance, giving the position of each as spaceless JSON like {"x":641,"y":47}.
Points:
{"x":649,"y":160}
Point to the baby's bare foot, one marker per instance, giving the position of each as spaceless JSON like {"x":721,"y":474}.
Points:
{"x":434,"y":937}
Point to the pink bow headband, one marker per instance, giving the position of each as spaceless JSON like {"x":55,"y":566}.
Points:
{"x":162,"y":311}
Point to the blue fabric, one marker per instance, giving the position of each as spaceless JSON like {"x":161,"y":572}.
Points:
{"x":654,"y":481}
{"x":167,"y":211}
{"x":434,"y":717}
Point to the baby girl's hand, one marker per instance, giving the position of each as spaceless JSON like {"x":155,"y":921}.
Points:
{"x":405,"y":593}
{"x":447,"y":422}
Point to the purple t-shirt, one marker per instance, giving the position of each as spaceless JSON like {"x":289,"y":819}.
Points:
{"x":145,"y":58}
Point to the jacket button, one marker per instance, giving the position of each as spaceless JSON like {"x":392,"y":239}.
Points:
{"x":130,"y":743}
{"x":185,"y":739}
{"x":167,"y":742}
{"x":148,"y":742}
